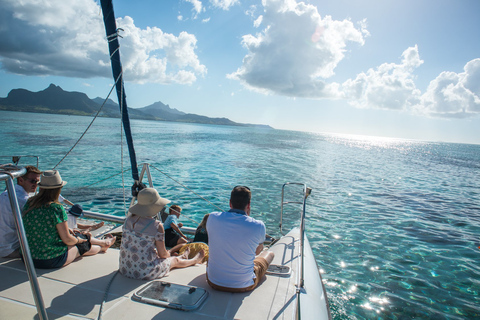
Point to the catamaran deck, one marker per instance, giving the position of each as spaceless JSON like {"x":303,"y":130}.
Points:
{"x":77,"y":291}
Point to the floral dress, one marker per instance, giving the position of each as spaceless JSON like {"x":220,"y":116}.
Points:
{"x":138,"y":253}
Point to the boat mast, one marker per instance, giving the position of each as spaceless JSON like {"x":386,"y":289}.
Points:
{"x":114,"y":48}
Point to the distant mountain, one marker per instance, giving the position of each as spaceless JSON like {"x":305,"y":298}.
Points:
{"x":55,"y":100}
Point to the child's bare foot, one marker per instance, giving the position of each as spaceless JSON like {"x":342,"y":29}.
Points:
{"x":199,"y":256}
{"x":185,"y":253}
{"x":109,"y":240}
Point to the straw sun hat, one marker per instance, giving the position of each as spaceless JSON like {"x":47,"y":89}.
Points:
{"x":149,"y":203}
{"x":51,"y":179}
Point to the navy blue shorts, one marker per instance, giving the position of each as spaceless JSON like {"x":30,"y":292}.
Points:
{"x":171,"y":238}
{"x":51,"y":263}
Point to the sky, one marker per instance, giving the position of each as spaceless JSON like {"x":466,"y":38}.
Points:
{"x":405,"y":69}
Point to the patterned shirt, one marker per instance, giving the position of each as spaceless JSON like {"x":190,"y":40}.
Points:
{"x":42,"y":235}
{"x":138,"y":253}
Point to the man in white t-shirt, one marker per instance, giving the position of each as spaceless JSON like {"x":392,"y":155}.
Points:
{"x":26,"y":186}
{"x":235,"y":239}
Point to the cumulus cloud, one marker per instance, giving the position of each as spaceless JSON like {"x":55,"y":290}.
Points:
{"x":68,"y":39}
{"x":296,"y":51}
{"x":389,"y":86}
{"x":453,"y":95}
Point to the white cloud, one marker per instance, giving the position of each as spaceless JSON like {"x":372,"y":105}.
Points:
{"x":453,"y":95}
{"x":251,"y":11}
{"x":154,"y":56}
{"x":258,"y":21}
{"x":389,"y":86}
{"x":197,"y":6}
{"x":224,"y":4}
{"x":55,"y":42}
{"x":295,"y":51}
{"x":68,"y":39}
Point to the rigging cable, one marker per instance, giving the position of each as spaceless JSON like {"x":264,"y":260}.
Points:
{"x":91,"y":123}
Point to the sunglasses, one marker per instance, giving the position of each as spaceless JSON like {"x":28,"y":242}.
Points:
{"x":32,"y":181}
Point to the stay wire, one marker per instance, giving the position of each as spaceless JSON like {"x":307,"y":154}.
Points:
{"x":91,"y":123}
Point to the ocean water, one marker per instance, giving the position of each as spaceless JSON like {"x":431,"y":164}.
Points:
{"x":394,"y":224}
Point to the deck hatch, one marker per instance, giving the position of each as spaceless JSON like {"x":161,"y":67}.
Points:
{"x":171,"y":295}
{"x":279,"y":270}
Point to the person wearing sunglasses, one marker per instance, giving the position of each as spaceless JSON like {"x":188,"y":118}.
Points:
{"x":237,"y":262}
{"x":26,"y":187}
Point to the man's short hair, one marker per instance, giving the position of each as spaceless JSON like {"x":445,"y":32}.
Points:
{"x":240,"y":197}
{"x":32,"y":169}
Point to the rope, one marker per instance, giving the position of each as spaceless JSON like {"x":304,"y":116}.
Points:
{"x":91,"y":123}
{"x":105,"y":296}
{"x":186,"y":187}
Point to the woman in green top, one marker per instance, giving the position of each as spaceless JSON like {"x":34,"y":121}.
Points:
{"x":45,"y":220}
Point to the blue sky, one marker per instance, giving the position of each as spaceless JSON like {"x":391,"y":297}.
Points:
{"x":405,"y":69}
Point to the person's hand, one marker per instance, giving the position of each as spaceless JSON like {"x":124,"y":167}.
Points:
{"x":180,"y":225}
{"x":80,"y":240}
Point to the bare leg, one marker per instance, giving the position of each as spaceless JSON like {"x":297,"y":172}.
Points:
{"x":105,"y":243}
{"x":72,"y":255}
{"x":177,"y":262}
{"x":93,"y":250}
{"x":267,"y":255}
{"x":181,"y":240}
{"x":90,"y":227}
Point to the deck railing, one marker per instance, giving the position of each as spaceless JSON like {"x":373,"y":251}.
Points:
{"x":300,"y":280}
{"x":7,"y":174}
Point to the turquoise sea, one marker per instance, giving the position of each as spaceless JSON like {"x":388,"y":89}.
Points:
{"x":394,"y":224}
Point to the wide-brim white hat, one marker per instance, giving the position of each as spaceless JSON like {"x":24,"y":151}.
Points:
{"x":51,"y":179}
{"x":149,"y":203}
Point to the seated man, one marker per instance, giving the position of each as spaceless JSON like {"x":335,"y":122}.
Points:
{"x":26,"y":186}
{"x":234,"y":240}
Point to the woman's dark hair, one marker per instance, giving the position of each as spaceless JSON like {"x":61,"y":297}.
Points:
{"x":43,"y":197}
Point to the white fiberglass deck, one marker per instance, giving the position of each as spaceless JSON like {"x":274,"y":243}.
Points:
{"x":78,"y":290}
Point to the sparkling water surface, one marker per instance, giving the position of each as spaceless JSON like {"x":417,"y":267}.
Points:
{"x":394,"y":224}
